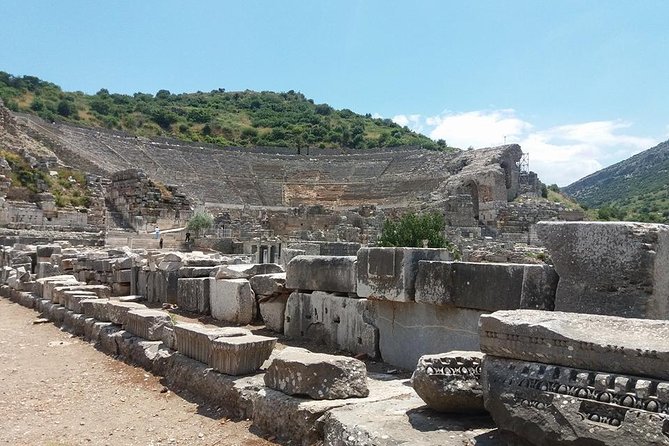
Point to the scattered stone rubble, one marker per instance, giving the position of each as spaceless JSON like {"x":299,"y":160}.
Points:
{"x":544,"y":376}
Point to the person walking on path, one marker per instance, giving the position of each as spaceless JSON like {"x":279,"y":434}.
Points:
{"x":160,"y":243}
{"x":157,"y":232}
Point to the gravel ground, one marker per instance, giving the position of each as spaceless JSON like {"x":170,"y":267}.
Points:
{"x":57,"y":390}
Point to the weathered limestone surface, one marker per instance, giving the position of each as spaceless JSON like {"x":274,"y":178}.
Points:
{"x":296,"y":371}
{"x":72,"y":299}
{"x":232,"y":300}
{"x":337,"y":321}
{"x":405,"y":420}
{"x":194,"y":294}
{"x":302,"y":419}
{"x":268,"y":284}
{"x":46,"y":269}
{"x":486,"y":286}
{"x":272,"y":295}
{"x":408,"y":331}
{"x":46,"y":251}
{"x":195,"y":340}
{"x":273,"y":311}
{"x":390,"y":273}
{"x":556,"y":405}
{"x":239,"y":355}
{"x":335,"y":274}
{"x":245,"y":270}
{"x":606,"y":343}
{"x":147,"y":324}
{"x":42,"y":290}
{"x":617,"y":268}
{"x":116,"y":312}
{"x":450,"y":382}
{"x":95,"y":308}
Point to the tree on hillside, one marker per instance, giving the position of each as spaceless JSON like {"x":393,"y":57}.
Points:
{"x":200,"y":223}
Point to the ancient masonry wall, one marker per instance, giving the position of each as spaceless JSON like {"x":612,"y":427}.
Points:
{"x":142,"y":203}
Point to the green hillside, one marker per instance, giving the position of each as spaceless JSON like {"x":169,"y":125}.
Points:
{"x":242,"y":118}
{"x":635,"y":189}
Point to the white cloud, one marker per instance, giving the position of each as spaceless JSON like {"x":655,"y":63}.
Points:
{"x":478,"y":128}
{"x":560,"y":154}
{"x":414,"y":122}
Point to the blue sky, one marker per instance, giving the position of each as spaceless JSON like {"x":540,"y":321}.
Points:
{"x":579,"y":84}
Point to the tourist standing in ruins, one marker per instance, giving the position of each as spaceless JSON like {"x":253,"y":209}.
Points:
{"x":160,"y":243}
{"x":157,"y":232}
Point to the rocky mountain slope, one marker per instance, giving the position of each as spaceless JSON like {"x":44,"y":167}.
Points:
{"x":636,"y":188}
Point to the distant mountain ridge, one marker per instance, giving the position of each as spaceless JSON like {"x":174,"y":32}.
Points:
{"x":639,"y":186}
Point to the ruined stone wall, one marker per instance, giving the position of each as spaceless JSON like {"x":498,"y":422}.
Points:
{"x":143,"y":203}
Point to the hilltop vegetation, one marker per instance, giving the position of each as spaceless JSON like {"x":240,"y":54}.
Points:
{"x":636,"y":189}
{"x":245,"y":118}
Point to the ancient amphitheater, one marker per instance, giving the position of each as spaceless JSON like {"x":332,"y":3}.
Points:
{"x":276,"y":177}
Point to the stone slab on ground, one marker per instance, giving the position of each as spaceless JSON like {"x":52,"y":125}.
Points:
{"x":116,"y":312}
{"x":232,"y":300}
{"x":336,"y":274}
{"x":406,"y":421}
{"x":605,"y":343}
{"x":147,"y":324}
{"x":301,"y":419}
{"x":296,"y":371}
{"x":46,"y":251}
{"x":268,"y":284}
{"x":44,"y":291}
{"x":46,"y":269}
{"x":236,"y":393}
{"x":240,"y":355}
{"x":72,"y":299}
{"x":450,"y":382}
{"x":390,"y":273}
{"x":245,"y":270}
{"x":408,"y":331}
{"x":612,"y":268}
{"x":195,"y":340}
{"x":194,"y":294}
{"x":337,"y":321}
{"x":195,"y":271}
{"x":556,"y":405}
{"x":273,"y":311}
{"x":486,"y":286}
{"x":95,"y":308}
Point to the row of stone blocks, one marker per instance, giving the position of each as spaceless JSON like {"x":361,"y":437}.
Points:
{"x":228,"y":350}
{"x":617,"y":269}
{"x":426,"y":276}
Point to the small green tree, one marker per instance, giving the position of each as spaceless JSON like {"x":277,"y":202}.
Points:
{"x":199,"y":223}
{"x":412,"y":229}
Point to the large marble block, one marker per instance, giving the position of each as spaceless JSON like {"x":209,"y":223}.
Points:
{"x":612,"y":268}
{"x":486,"y":286}
{"x":390,"y":273}
{"x":606,"y":343}
{"x":194,"y":294}
{"x":560,"y":405}
{"x":233,"y":300}
{"x":335,"y":274}
{"x":337,"y":321}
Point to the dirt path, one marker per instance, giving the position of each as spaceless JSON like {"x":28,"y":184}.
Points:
{"x":57,"y":390}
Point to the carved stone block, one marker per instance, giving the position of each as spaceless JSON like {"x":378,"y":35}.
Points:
{"x":556,"y":405}
{"x":606,"y":343}
{"x":450,"y":382}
